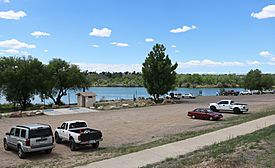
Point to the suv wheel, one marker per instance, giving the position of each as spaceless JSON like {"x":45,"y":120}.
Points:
{"x":21,"y":153}
{"x":6,"y":145}
{"x":57,"y":138}
{"x":48,"y":151}
{"x":73,"y":145}
{"x":95,"y":145}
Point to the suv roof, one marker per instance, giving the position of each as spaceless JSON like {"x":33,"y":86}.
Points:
{"x":34,"y":126}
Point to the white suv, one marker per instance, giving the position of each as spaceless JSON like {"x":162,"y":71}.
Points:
{"x":29,"y":138}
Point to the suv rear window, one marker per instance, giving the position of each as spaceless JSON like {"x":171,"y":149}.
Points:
{"x":40,"y":132}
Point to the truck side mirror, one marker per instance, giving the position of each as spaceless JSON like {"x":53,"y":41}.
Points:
{"x":7,"y":133}
{"x":58,"y":127}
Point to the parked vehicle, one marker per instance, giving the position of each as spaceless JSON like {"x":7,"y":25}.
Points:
{"x":229,"y":105}
{"x":77,"y":133}
{"x":256,"y":92}
{"x":246,"y":92}
{"x":268,"y":91}
{"x":188,"y":96}
{"x":230,"y":93}
{"x":204,"y":113}
{"x":29,"y":138}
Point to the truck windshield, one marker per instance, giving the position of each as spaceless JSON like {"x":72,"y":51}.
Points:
{"x":78,"y":125}
{"x":40,"y":132}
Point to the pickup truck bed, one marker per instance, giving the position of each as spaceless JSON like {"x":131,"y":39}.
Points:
{"x":87,"y":134}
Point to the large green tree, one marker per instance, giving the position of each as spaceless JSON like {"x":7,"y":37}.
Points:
{"x":158,"y":72}
{"x":253,"y":80}
{"x":21,"y":79}
{"x":267,"y":81}
{"x":62,"y":77}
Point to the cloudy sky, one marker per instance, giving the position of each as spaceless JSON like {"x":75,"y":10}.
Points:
{"x":209,"y":36}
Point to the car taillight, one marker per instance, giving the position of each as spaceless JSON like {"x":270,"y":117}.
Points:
{"x":28,"y":142}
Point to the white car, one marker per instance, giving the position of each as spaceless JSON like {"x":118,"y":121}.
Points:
{"x":188,"y":96}
{"x":229,"y":105}
{"x":246,"y":92}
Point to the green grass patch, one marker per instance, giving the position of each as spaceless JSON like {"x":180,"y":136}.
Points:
{"x":231,"y":153}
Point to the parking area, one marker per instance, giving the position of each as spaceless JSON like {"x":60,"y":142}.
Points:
{"x":130,"y":126}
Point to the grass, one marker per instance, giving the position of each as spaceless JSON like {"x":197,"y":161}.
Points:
{"x":80,"y":158}
{"x":253,"y":150}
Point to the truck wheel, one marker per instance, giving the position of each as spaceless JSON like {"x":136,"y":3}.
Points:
{"x":237,"y":110}
{"x":95,"y":145}
{"x":213,"y":108}
{"x":20,"y":152}
{"x":73,"y":145}
{"x":57,"y":138}
{"x":6,"y":145}
{"x":48,"y":151}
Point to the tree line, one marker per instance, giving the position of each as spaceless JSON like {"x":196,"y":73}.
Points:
{"x":22,"y":78}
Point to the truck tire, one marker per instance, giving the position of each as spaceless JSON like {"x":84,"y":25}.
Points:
{"x":20,"y":152}
{"x":213,"y":108}
{"x":95,"y":145}
{"x":6,"y":145}
{"x":48,"y":151}
{"x":237,"y":110}
{"x":57,"y":138}
{"x":73,"y":145}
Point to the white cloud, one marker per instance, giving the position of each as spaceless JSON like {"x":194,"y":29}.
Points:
{"x":173,"y":46}
{"x":46,"y":50}
{"x":12,"y":15}
{"x":9,"y":51}
{"x":208,"y":63}
{"x":267,"y":12}
{"x":253,"y":63}
{"x":110,"y":67}
{"x":149,"y":40}
{"x":120,"y":44}
{"x":15,"y":44}
{"x":105,"y":32}
{"x":183,"y":29}
{"x":95,"y":46}
{"x":38,"y":34}
{"x":265,"y":54}
{"x":5,"y":1}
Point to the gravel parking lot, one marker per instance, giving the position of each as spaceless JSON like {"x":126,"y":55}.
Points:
{"x":129,"y":126}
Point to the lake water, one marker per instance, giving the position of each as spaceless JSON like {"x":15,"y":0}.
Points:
{"x":116,"y":93}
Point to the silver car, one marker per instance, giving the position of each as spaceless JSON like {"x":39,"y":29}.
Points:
{"x":29,"y":138}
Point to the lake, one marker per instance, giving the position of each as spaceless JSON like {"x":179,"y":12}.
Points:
{"x":116,"y":93}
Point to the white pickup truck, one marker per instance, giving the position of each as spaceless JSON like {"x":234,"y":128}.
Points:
{"x":229,"y":105}
{"x":78,"y":133}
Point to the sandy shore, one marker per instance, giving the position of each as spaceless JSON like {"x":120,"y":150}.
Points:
{"x":129,"y":126}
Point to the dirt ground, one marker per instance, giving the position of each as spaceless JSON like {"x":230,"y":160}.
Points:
{"x":129,"y":126}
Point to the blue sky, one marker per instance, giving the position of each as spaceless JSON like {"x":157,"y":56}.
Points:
{"x":211,"y":36}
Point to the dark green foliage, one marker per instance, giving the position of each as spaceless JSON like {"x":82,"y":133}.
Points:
{"x":158,"y":72}
{"x":21,"y":79}
{"x":62,"y":77}
{"x":255,"y":80}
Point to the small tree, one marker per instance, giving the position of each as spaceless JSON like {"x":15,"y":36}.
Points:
{"x":158,"y":72}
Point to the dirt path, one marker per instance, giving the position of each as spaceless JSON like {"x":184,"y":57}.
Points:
{"x":129,"y":126}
